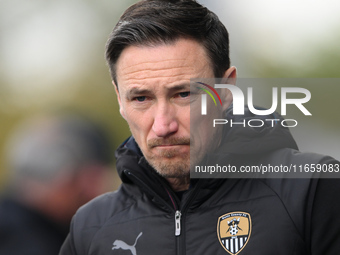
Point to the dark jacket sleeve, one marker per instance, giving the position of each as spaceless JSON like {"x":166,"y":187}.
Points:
{"x":324,"y":238}
{"x":325,"y":224}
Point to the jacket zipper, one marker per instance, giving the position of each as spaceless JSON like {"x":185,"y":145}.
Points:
{"x":178,"y":215}
{"x":180,"y":218}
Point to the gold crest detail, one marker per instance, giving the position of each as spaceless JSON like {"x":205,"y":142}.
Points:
{"x":233,"y":231}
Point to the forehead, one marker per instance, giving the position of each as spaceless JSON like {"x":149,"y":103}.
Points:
{"x":183,"y":59}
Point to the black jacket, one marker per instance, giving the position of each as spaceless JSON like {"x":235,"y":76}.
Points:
{"x":215,"y":216}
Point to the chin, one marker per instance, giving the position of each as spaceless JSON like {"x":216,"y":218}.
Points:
{"x":170,"y":168}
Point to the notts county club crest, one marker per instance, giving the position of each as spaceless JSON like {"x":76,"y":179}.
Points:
{"x":233,"y":231}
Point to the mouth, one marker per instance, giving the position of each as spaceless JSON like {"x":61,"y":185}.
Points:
{"x":171,"y":151}
{"x":170,"y":145}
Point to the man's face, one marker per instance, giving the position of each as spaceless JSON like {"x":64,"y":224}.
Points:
{"x":154,"y":98}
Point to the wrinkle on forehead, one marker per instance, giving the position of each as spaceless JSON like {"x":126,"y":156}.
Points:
{"x":184,"y":59}
{"x":171,"y":65}
{"x":165,"y":73}
{"x":151,"y":64}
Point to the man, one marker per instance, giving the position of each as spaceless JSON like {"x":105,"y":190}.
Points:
{"x":153,"y":52}
{"x":56,"y":163}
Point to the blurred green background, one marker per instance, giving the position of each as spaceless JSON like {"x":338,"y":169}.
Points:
{"x":52,"y":54}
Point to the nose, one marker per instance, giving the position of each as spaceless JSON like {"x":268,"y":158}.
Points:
{"x":165,"y":120}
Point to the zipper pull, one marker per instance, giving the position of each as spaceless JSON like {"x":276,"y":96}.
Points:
{"x":178,"y":223}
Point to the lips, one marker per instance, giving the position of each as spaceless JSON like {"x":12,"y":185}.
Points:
{"x":170,"y":145}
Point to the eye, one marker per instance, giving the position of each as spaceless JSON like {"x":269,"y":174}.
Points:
{"x":140,"y":99}
{"x":184,"y":94}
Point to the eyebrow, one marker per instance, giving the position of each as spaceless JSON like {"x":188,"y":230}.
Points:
{"x":180,"y":87}
{"x":136,"y":91}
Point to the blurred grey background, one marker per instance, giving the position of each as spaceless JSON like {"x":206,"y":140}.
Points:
{"x":52,"y":57}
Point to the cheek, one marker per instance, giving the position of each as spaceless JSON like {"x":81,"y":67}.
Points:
{"x":184,"y":118}
{"x":140,"y":123}
{"x":202,"y":132}
{"x":134,"y":119}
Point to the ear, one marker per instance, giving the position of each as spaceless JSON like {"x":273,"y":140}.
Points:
{"x":229,"y":77}
{"x":121,"y":108}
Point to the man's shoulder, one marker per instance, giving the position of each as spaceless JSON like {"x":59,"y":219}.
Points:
{"x":288,"y":155}
{"x":296,"y":171}
{"x":297,"y":186}
{"x":98,"y":211}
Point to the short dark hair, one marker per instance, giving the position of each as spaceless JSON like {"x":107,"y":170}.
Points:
{"x":152,"y":22}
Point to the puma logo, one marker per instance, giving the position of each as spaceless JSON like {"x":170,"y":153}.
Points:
{"x":118,"y":244}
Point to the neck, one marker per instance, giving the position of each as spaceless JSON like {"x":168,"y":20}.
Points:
{"x":179,"y":183}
